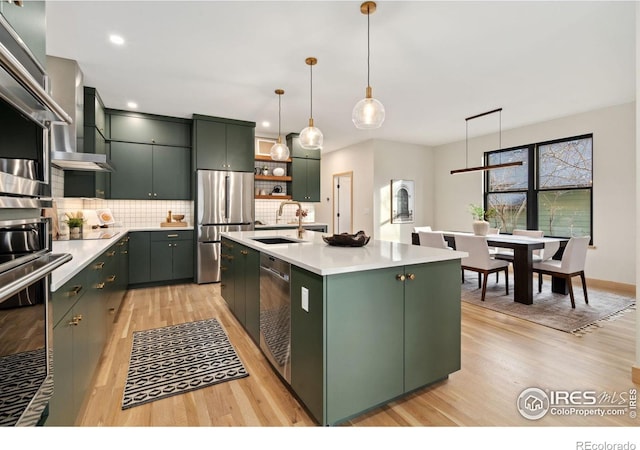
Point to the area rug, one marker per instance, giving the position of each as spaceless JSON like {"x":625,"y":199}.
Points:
{"x":21,"y":375}
{"x":548,"y":308}
{"x":177,"y":359}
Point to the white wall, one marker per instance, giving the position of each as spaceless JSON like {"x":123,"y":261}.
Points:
{"x":359,"y":160}
{"x":374,"y":164}
{"x":614,"y":182}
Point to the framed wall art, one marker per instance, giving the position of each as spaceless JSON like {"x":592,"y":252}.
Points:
{"x":402,"y":201}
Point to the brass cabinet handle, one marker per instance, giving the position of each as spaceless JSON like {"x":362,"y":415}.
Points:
{"x":124,"y":252}
{"x":111,"y":279}
{"x":400,"y":277}
{"x":74,"y":291}
{"x":244,"y":252}
{"x":74,"y":322}
{"x":98,"y":266}
{"x":112,"y":310}
{"x":172,"y":235}
{"x":111,"y":253}
{"x":411,"y":276}
{"x":100,"y":286}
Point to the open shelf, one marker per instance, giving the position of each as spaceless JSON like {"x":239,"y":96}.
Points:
{"x":272,"y":178}
{"x":273,"y":197}
{"x":268,"y":158}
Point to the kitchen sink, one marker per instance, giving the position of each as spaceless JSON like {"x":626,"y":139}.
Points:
{"x":276,"y":240}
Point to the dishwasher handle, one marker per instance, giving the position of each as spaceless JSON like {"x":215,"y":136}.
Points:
{"x":275,"y":273}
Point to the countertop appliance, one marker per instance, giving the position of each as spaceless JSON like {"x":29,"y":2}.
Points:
{"x":224,"y":202}
{"x":26,"y":259}
{"x":275,"y":313}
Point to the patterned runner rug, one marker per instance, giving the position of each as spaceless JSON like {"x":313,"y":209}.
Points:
{"x":177,"y":359}
{"x":549,"y":309}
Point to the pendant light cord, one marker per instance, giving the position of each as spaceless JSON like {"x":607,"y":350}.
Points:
{"x":368,"y":48}
{"x":279,"y":109}
{"x":311,"y":90}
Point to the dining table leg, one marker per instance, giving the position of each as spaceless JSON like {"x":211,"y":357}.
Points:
{"x":522,"y":279}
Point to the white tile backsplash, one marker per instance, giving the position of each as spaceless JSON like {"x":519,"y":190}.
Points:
{"x":266,"y":212}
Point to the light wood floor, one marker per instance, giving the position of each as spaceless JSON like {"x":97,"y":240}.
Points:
{"x":501,"y":356}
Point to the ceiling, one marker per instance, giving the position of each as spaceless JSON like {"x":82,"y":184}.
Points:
{"x":432,"y":63}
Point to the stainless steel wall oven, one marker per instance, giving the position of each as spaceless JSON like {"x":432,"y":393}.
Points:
{"x":26,"y":260}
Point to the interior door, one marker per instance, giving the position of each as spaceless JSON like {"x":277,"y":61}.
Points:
{"x":343,"y":203}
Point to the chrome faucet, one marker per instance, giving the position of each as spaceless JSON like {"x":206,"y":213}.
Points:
{"x":288,"y":202}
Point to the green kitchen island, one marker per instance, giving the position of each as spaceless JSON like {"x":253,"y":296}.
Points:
{"x":368,"y":324}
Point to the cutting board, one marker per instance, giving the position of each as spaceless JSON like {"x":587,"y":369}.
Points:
{"x":173,"y":224}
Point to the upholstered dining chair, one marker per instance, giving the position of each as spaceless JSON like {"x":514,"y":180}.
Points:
{"x":419,"y":229}
{"x":433,"y":239}
{"x":479,"y":260}
{"x":571,"y":265}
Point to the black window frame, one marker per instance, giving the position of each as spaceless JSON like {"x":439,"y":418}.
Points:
{"x":533,"y":181}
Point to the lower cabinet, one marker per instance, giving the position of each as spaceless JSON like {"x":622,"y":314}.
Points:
{"x":368,"y":337}
{"x":240,"y":285}
{"x":160,"y":256}
{"x":84,"y":309}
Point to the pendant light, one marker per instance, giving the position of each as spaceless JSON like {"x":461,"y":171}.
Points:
{"x":490,"y":167}
{"x":311,"y":137}
{"x":368,"y":112}
{"x":279,"y":150}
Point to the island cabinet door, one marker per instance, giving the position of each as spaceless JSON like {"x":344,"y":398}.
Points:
{"x":307,"y":358}
{"x":432,"y":322}
{"x":365,"y":341}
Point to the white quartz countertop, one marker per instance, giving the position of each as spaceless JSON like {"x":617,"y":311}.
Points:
{"x":313,"y":254}
{"x":83,"y":251}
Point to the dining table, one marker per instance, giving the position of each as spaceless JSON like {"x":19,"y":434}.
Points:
{"x":523,"y":248}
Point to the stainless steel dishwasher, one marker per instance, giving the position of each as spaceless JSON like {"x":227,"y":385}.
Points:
{"x":275,"y":313}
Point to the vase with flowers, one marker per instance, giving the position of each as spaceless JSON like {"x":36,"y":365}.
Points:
{"x":480,"y":216}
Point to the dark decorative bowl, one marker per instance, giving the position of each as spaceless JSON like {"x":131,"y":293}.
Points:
{"x":347,"y":240}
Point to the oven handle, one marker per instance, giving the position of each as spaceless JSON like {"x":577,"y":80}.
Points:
{"x":15,"y":280}
{"x":20,"y":74}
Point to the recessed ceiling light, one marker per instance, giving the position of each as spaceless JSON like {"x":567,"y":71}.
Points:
{"x":266,"y":124}
{"x":115,"y":39}
{"x":132,"y":104}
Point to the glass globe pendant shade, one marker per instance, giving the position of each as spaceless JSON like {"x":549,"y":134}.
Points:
{"x":279,"y":151}
{"x":368,"y":112}
{"x":311,"y":137}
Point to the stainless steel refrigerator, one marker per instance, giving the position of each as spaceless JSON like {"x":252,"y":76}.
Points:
{"x":224,"y":202}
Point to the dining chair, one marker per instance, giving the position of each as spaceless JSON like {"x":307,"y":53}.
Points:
{"x":571,"y":265}
{"x":479,"y":260}
{"x":433,"y":239}
{"x":419,"y":229}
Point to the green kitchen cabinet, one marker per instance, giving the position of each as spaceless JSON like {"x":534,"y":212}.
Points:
{"x":227,"y":272}
{"x":305,"y":183}
{"x":126,"y":126}
{"x":240,"y":284}
{"x":305,"y":171}
{"x":139,"y":252}
{"x":361,"y":339}
{"x":94,"y":113}
{"x":307,"y":340}
{"x":115,"y":279}
{"x":160,"y":256}
{"x":150,"y":172}
{"x":431,"y":322}
{"x":223,"y":144}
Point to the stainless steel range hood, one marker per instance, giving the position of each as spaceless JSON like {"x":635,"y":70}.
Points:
{"x":67,"y":88}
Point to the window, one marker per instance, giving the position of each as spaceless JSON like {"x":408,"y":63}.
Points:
{"x":554,"y":194}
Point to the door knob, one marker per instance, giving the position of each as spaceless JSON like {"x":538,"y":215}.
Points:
{"x":411,"y":276}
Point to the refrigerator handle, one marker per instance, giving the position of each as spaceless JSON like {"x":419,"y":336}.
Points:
{"x":226,"y":197}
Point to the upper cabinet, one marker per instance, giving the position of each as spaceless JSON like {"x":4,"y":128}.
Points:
{"x":151,"y":155}
{"x":223,"y":144}
{"x":28,"y":20}
{"x":305,"y":171}
{"x":94,"y":115}
{"x":149,"y":129}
